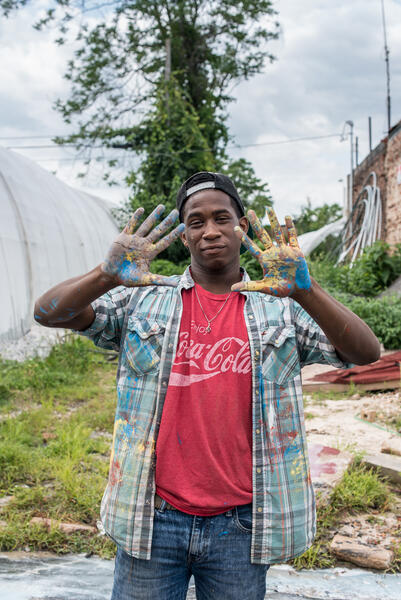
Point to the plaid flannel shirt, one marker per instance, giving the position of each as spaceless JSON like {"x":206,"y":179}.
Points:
{"x":143,"y":325}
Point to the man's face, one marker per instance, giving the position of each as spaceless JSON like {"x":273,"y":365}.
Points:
{"x":210,"y":218}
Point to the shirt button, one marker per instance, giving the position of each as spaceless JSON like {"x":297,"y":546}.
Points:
{"x":164,"y":383}
{"x":256,"y":352}
{"x":258,"y":431}
{"x":258,"y":470}
{"x":170,"y":345}
{"x":257,"y":392}
{"x":251,"y":316}
{"x":260,"y":509}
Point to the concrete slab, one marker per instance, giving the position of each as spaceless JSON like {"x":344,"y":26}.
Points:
{"x":74,"y":577}
{"x":387,"y":464}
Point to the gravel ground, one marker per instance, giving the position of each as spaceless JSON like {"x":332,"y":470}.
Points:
{"x":37,"y":342}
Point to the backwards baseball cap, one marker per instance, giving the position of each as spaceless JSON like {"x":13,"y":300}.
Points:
{"x":206,"y":180}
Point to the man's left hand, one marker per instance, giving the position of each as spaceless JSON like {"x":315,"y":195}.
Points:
{"x":284,"y":266}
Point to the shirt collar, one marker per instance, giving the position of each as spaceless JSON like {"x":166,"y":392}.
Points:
{"x":187,"y":281}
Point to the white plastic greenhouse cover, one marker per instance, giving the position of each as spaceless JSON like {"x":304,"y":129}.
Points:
{"x":48,"y":232}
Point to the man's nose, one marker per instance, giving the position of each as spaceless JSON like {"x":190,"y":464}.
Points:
{"x":211,"y":230}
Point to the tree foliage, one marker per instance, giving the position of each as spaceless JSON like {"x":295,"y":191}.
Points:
{"x":311,"y":219}
{"x":153,"y":79}
{"x":120,"y":58}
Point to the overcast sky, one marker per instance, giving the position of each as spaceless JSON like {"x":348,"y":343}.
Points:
{"x":329,"y":69}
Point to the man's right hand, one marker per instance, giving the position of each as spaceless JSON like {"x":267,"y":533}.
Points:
{"x":68,"y":304}
{"x":128,"y":260}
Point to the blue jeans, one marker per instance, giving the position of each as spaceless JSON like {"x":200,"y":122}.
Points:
{"x":215,"y":550}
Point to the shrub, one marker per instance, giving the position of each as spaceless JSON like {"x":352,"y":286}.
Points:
{"x":160,"y":266}
{"x":383,"y":315}
{"x":374,"y":271}
{"x":370,"y":274}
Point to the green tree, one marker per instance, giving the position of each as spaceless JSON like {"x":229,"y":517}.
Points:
{"x":254,"y":193}
{"x":153,"y":78}
{"x":121,"y":58}
{"x":311,"y":219}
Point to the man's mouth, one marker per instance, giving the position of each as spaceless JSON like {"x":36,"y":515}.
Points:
{"x":215,"y":249}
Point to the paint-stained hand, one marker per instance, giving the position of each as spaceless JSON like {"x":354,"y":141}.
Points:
{"x":283,"y":264}
{"x":128,"y":260}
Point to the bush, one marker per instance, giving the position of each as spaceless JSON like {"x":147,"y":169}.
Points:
{"x":161,"y":266}
{"x":383,"y":315}
{"x":374,"y":271}
{"x":370,"y":274}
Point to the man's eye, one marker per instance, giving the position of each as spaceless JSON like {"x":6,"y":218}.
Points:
{"x":222,"y":218}
{"x":195,"y":223}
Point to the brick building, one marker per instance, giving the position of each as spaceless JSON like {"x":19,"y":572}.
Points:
{"x":385,"y":161}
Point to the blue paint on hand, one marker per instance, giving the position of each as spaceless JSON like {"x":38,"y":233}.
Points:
{"x":223,"y":533}
{"x":302,"y":277}
{"x":179,"y":441}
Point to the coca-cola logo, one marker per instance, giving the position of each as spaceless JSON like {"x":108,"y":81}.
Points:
{"x":196,"y":361}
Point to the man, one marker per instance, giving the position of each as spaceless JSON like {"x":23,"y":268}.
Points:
{"x":209,"y":473}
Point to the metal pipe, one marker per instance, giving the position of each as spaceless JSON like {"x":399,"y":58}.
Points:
{"x":370,"y":133}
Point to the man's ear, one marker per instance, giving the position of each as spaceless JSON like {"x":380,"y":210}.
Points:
{"x":184,"y":239}
{"x":244,"y":224}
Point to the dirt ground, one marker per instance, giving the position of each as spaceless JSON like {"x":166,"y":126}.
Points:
{"x":351,"y":424}
{"x":362,"y":423}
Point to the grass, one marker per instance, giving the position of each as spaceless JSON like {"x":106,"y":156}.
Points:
{"x":56,"y":421}
{"x":359,"y":491}
{"x":320,"y":397}
{"x":55,"y":431}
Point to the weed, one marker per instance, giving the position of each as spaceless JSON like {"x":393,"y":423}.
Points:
{"x":396,"y":562}
{"x":317,"y":556}
{"x":361,"y":490}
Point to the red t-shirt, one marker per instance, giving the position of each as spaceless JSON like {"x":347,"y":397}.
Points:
{"x":204,"y":447}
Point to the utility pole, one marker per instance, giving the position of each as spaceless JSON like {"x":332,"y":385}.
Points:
{"x":386,"y":58}
{"x":351,"y":175}
{"x":167,"y":74}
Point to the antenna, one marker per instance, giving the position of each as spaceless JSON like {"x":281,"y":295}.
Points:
{"x":386,"y":55}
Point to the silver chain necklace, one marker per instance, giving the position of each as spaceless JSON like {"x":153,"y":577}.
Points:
{"x":208,"y":328}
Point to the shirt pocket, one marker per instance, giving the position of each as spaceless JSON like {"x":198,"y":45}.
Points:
{"x":280,"y":355}
{"x":143,"y":344}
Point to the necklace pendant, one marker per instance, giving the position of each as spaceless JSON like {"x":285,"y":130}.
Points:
{"x":208,"y":329}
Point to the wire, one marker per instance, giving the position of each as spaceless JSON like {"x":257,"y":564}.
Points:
{"x":57,"y":146}
{"x":28,"y":137}
{"x":291,"y":140}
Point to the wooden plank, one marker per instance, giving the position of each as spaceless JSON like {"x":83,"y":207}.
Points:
{"x":321,"y":386}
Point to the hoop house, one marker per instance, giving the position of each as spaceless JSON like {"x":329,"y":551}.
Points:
{"x":48,"y":232}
